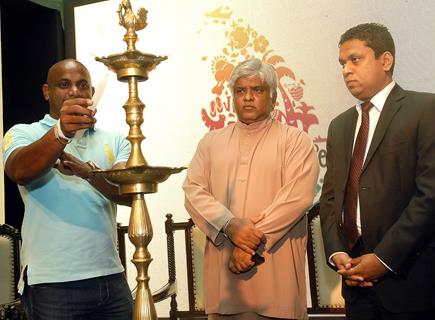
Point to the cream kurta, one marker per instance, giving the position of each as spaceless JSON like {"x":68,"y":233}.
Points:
{"x":265,"y":171}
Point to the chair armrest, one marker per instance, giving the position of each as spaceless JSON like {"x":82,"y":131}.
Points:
{"x":168,"y":290}
{"x":12,"y":310}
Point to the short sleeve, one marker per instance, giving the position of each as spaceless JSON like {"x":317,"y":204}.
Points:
{"x":124,"y":150}
{"x":16,"y":137}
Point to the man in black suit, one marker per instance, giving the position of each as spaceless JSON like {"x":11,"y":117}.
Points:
{"x":378,"y":199}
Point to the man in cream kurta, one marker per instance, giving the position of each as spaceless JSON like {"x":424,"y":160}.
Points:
{"x":248,"y":187}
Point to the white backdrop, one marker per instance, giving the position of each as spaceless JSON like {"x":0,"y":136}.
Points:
{"x":2,"y":202}
{"x":186,"y":95}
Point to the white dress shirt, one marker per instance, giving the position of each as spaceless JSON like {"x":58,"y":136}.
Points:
{"x":378,"y":102}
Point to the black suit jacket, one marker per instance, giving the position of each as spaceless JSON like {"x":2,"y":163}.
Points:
{"x":397,"y":197}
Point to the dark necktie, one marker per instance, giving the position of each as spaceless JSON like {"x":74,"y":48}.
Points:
{"x":350,"y":230}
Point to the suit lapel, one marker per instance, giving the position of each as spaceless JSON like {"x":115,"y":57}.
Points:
{"x":392,"y":105}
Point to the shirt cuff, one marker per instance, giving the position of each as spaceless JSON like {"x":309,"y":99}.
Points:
{"x":224,"y":228}
{"x":330,"y":257}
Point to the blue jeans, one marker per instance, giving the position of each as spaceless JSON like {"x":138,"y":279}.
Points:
{"x":106,"y":297}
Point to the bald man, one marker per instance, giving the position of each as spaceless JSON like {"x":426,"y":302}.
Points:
{"x":71,"y":269}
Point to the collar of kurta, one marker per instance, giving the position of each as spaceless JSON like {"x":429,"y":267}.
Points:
{"x":255,"y":126}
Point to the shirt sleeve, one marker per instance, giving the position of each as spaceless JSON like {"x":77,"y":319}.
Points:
{"x":124,"y":149}
{"x":16,"y":137}
{"x":207,"y":213}
{"x":301,"y":171}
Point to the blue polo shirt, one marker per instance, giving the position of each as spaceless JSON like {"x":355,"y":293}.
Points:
{"x":69,"y":228}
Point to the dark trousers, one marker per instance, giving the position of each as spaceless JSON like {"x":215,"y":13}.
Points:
{"x":106,"y":297}
{"x":368,"y":305}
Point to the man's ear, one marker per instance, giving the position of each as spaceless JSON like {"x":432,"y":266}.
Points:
{"x":274,"y":96}
{"x":45,"y":91}
{"x":93,"y":91}
{"x":387,"y":61}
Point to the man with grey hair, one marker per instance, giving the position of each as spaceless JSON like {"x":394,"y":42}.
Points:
{"x":247,"y":188}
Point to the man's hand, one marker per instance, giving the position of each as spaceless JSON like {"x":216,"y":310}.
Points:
{"x":240,"y":261}
{"x":75,"y":115}
{"x":364,"y":272}
{"x":244,"y":235}
{"x":342,"y":261}
{"x":70,"y":165}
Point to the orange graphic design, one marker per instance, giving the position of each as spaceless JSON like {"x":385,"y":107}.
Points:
{"x":244,"y":42}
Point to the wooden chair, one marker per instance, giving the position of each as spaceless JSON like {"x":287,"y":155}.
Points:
{"x":194,"y":244}
{"x":122,"y":232}
{"x":194,"y":241}
{"x":10,"y":305}
{"x":325,"y":284}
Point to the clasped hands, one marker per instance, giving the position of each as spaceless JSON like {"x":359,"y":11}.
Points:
{"x":246,"y":239}
{"x":362,"y":271}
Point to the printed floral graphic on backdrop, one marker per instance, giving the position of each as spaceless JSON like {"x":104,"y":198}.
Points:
{"x":243,"y":42}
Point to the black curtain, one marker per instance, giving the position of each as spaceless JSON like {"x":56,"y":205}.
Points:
{"x":32,"y":40}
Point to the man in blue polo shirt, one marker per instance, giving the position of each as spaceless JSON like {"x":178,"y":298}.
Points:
{"x":71,"y":269}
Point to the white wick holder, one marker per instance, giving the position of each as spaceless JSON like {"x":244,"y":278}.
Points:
{"x":95,"y":98}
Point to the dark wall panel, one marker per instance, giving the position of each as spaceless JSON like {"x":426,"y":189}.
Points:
{"x":32,"y":40}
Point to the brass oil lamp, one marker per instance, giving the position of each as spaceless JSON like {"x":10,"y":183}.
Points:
{"x":138,"y":178}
